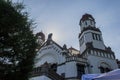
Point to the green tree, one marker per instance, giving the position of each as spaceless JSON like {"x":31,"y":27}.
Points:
{"x":17,"y":42}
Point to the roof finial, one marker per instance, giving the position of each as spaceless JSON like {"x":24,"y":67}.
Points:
{"x":49,"y":36}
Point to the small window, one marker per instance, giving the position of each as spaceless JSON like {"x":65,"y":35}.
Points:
{"x":81,"y":40}
{"x":85,"y":23}
{"x":96,"y":36}
{"x":93,"y":36}
{"x":99,"y":37}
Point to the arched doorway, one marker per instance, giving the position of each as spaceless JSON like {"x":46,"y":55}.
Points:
{"x":104,"y":67}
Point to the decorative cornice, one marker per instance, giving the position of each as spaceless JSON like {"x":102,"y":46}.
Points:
{"x":107,"y":51}
{"x":99,"y":50}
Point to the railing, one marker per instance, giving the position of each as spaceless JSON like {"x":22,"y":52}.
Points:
{"x":46,"y":71}
{"x":75,"y":58}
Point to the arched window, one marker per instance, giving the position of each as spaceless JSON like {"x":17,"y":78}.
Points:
{"x":104,"y":67}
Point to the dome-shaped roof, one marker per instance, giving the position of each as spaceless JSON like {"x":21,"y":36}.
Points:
{"x":86,"y":17}
{"x":41,"y":34}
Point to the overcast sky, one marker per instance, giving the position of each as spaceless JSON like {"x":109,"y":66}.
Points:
{"x":61,"y":17}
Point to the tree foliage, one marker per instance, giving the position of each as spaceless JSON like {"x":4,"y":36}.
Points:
{"x":17,"y":42}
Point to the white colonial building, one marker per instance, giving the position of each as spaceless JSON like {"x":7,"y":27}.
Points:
{"x":54,"y":62}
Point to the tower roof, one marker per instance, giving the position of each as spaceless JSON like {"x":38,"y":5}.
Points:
{"x":41,"y":34}
{"x":86,"y":21}
{"x":86,"y":17}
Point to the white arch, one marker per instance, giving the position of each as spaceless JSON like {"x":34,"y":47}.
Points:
{"x":104,"y":64}
{"x":47,"y":57}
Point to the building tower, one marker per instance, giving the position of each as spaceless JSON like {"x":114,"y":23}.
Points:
{"x":40,"y":38}
{"x":100,"y":58}
{"x":90,"y":34}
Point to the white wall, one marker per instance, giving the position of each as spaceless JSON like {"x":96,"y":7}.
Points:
{"x":98,"y":44}
{"x":88,"y":38}
{"x":83,"y":24}
{"x":95,"y":62}
{"x":61,"y":69}
{"x":49,"y":58}
{"x":71,"y":69}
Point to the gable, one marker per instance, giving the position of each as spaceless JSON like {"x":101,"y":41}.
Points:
{"x":50,"y":53}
